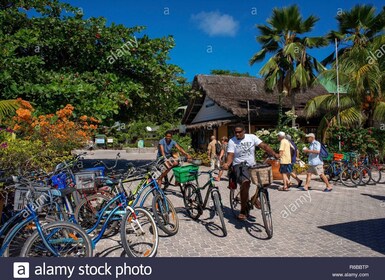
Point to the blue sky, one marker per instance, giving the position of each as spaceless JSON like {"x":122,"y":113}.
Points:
{"x":213,"y":34}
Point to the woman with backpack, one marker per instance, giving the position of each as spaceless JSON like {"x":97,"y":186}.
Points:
{"x":294,"y":157}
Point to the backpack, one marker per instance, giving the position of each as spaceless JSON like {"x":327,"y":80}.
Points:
{"x":323,"y":152}
{"x":218,"y":148}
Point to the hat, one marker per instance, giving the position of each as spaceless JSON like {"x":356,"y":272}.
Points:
{"x":281,"y":134}
{"x":310,"y":135}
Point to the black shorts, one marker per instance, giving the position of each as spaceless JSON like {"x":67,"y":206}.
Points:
{"x":240,"y":173}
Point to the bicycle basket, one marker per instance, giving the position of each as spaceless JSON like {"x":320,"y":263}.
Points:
{"x":183,"y":173}
{"x":85,"y":180}
{"x":39,"y":199}
{"x":261,"y":174}
{"x":338,"y":157}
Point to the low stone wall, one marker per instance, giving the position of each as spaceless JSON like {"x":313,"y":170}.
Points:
{"x":141,"y":150}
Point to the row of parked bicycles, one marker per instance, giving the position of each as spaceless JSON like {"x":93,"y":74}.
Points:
{"x":67,"y":212}
{"x":352,"y":169}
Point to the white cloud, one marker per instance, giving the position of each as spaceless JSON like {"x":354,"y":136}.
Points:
{"x":216,"y":24}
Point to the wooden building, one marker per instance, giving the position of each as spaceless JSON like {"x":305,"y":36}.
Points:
{"x":222,"y":101}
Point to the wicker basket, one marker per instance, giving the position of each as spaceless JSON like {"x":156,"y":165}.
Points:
{"x":261,"y":174}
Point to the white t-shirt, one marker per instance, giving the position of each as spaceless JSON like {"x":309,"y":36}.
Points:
{"x":244,"y":149}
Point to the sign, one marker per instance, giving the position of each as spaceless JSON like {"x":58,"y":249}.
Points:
{"x":110,"y":140}
{"x":100,"y":141}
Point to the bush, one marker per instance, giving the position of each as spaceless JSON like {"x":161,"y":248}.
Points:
{"x":204,"y":157}
{"x":22,"y":156}
{"x":270,"y":137}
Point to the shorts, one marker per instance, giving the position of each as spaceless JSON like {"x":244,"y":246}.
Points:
{"x":286,"y":168}
{"x":316,"y":169}
{"x":240,"y":173}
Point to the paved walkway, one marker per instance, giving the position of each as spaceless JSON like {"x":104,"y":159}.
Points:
{"x":348,"y":222}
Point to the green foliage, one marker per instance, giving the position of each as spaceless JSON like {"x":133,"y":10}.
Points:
{"x":21,"y":156}
{"x":229,"y":73}
{"x":108,"y":71}
{"x":183,"y":141}
{"x":204,"y":157}
{"x":269,"y":136}
{"x":361,"y":140}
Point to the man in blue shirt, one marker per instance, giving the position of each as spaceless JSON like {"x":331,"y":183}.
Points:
{"x":316,"y":165}
{"x":165,"y":150}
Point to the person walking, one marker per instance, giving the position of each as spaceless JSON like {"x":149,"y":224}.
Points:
{"x":222,"y":156}
{"x":285,"y":167}
{"x":213,"y":150}
{"x":241,"y":154}
{"x":315,"y":163}
{"x":294,"y":157}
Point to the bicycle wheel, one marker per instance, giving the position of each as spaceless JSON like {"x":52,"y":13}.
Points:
{"x":375,"y":175}
{"x":18,"y":240}
{"x":235,"y":201}
{"x":192,"y":201}
{"x":67,"y":239}
{"x":219,"y":210}
{"x":139,"y":234}
{"x":346,"y":178}
{"x":87,"y":211}
{"x":266,"y":212}
{"x":329,"y":173}
{"x":365,"y":176}
{"x":165,"y":214}
{"x":355,"y":176}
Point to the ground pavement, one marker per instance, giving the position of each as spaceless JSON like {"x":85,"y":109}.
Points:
{"x":348,"y":222}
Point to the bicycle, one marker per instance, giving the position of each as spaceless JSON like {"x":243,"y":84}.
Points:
{"x":59,"y":239}
{"x":261,"y":176}
{"x":135,"y":223}
{"x":164,"y":212}
{"x":192,"y":197}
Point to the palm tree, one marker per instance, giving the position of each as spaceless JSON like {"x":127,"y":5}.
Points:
{"x":8,"y":107}
{"x":357,"y":28}
{"x":361,"y":71}
{"x":290,"y":68}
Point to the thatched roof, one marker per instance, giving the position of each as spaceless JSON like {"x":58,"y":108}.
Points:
{"x":231,"y":93}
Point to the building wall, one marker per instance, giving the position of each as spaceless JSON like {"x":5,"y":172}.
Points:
{"x":210,"y":111}
{"x":222,"y":131}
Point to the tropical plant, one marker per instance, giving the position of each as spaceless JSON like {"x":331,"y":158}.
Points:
{"x":51,"y":55}
{"x":290,"y":68}
{"x":7,"y":108}
{"x":361,"y":73}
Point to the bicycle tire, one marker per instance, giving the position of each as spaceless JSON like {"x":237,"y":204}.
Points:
{"x":18,"y":240}
{"x":375,"y":175}
{"x":345,"y":177}
{"x":192,"y":201}
{"x":266,"y":212}
{"x":148,"y":229}
{"x":219,"y":210}
{"x":87,"y":218}
{"x":235,"y":201}
{"x":365,"y":176}
{"x":167,"y":220}
{"x":34,"y":246}
{"x":329,"y":173}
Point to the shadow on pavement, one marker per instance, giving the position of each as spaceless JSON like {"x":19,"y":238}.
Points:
{"x":369,"y":233}
{"x":379,"y":197}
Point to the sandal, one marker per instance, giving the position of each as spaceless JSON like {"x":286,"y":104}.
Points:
{"x":283,"y":189}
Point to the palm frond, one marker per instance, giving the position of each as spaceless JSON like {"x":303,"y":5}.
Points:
{"x":8,"y":107}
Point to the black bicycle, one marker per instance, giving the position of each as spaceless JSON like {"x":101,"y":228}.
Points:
{"x":261,"y":176}
{"x":194,"y":203}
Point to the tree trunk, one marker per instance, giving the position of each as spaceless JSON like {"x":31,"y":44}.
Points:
{"x":293,"y":108}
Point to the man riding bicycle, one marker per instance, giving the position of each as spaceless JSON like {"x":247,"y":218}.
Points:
{"x":165,"y":150}
{"x":241,"y":154}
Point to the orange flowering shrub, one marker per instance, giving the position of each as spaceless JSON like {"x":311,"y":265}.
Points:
{"x":61,"y":131}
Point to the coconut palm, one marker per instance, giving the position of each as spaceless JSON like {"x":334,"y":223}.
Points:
{"x":357,"y":27}
{"x":361,"y":68}
{"x":363,"y":76}
{"x":8,"y":107}
{"x":290,"y":68}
